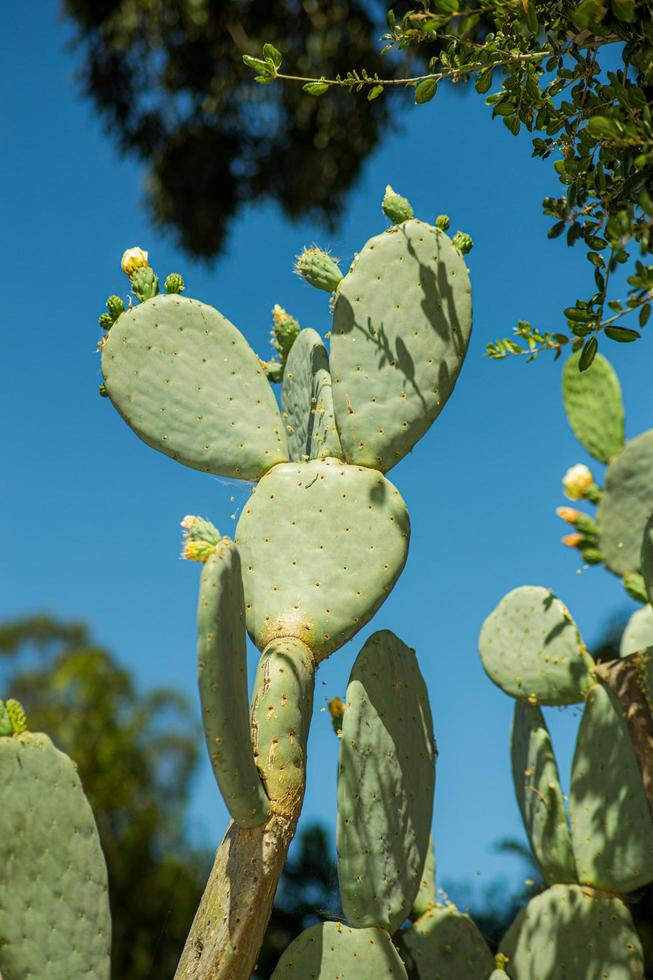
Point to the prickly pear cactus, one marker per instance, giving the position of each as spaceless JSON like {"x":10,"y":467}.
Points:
{"x":331,"y":950}
{"x":444,"y":943}
{"x":54,"y":905}
{"x":594,"y":407}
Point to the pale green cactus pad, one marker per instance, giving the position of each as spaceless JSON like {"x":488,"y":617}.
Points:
{"x":626,"y":505}
{"x":425,"y":898}
{"x":539,"y":795}
{"x":386,"y":780}
{"x":401,"y":325}
{"x":573,"y":933}
{"x":189,"y":385}
{"x":307,"y":401}
{"x":332,"y":951}
{"x":638,"y":634}
{"x":54,"y":904}
{"x":592,"y":400}
{"x":444,"y":944}
{"x":222,"y":662}
{"x":281,"y":716}
{"x":646,"y":558}
{"x":531,"y":648}
{"x":322,"y":543}
{"x":611,"y":826}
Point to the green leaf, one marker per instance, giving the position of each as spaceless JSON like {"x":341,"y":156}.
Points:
{"x":601,"y":127}
{"x":374,"y":92}
{"x":578,"y":316}
{"x":556,"y":229}
{"x":644,"y":314}
{"x":484,"y":81}
{"x":315,"y":88}
{"x":256,"y":64}
{"x":588,"y":354}
{"x":270,"y":53}
{"x":448,"y":6}
{"x":622,"y":335}
{"x":531,"y":16}
{"x":623,"y":9}
{"x":588,"y":14}
{"x":425,"y":91}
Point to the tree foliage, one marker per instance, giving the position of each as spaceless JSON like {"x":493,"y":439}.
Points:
{"x":578,"y":76}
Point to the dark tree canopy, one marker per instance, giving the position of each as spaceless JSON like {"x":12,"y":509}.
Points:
{"x":168,"y":78}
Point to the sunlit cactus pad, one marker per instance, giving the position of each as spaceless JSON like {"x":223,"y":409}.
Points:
{"x":332,"y":951}
{"x":573,"y":933}
{"x":386,"y":780}
{"x":322,"y":543}
{"x":638,"y":634}
{"x":307,"y":400}
{"x":539,"y":795}
{"x":531,"y":648}
{"x":54,"y":906}
{"x":593,"y":404}
{"x":626,"y":505}
{"x":444,"y":944}
{"x":611,"y":825}
{"x":189,"y":385}
{"x":401,"y":325}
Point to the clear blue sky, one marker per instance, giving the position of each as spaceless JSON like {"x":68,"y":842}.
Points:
{"x":91,"y":516}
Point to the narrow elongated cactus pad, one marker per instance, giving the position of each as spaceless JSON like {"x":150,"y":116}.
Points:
{"x":189,"y":385}
{"x":647,"y":558}
{"x":573,"y":933}
{"x":626,"y":505}
{"x":425,"y":898}
{"x":401,"y":325}
{"x":444,"y":944}
{"x":307,"y":401}
{"x":222,"y":663}
{"x":539,"y":795}
{"x":638,"y":634}
{"x":54,"y":905}
{"x":281,"y":716}
{"x":531,"y":648}
{"x":322,"y":544}
{"x":386,"y":780}
{"x":592,"y":400}
{"x":611,"y":826}
{"x":332,"y":951}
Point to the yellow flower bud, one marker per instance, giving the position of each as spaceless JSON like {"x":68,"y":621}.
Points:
{"x":567,"y":514}
{"x":336,"y":708}
{"x":577,"y":481}
{"x":572,"y":540}
{"x":133,"y":259}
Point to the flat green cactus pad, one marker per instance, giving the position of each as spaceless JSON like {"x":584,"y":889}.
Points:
{"x":54,"y":905}
{"x":189,"y":385}
{"x":531,"y":648}
{"x":386,"y":780}
{"x":539,"y":795}
{"x":611,"y":826}
{"x":573,"y":933}
{"x":647,"y":558}
{"x":322,"y":544}
{"x":626,"y":505}
{"x":307,"y":401}
{"x":444,"y":944}
{"x":638,"y":634}
{"x":594,"y":408}
{"x":425,"y":898}
{"x":222,"y":662}
{"x":332,"y":951}
{"x":401,"y":325}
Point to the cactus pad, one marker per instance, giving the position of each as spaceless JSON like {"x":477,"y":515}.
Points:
{"x":531,"y":648}
{"x":222,"y":658}
{"x":646,"y":558}
{"x":281,"y":716}
{"x":54,"y":906}
{"x":444,"y":944}
{"x":611,"y":825}
{"x":386,"y":779}
{"x":573,"y":933}
{"x":190,"y":386}
{"x":401,"y":325}
{"x":307,"y":401}
{"x":626,"y":505}
{"x":425,"y":898}
{"x":322,"y":543}
{"x":638,"y":634}
{"x":539,"y":795}
{"x":332,"y":951}
{"x":592,"y":400}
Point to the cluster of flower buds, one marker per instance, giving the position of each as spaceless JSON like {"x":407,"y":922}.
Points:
{"x":200,"y":538}
{"x":578,"y":484}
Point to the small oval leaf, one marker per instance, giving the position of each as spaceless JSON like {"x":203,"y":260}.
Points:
{"x":425,"y":91}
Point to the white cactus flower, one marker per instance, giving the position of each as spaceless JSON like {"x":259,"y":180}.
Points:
{"x":133,"y":259}
{"x":577,"y":481}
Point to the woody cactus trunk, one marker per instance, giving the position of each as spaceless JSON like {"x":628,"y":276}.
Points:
{"x":317,"y":550}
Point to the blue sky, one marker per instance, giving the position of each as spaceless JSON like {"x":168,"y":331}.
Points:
{"x":91,"y":516}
